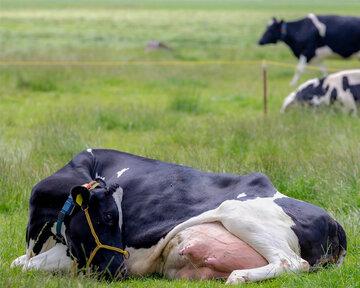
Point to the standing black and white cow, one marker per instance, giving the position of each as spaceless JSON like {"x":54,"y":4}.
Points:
{"x":156,"y":214}
{"x":316,"y":37}
{"x":341,"y":87}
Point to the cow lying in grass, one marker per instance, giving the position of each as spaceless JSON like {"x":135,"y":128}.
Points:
{"x":316,"y":37}
{"x":151,"y":216}
{"x":341,"y":88}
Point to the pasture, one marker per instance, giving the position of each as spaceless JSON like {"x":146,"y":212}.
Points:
{"x":184,"y":110}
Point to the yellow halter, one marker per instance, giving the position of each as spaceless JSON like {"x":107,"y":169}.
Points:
{"x":99,"y":245}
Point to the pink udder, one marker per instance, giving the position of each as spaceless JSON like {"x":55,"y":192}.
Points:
{"x":208,"y":251}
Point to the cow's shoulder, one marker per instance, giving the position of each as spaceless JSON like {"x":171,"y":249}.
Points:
{"x":303,"y":31}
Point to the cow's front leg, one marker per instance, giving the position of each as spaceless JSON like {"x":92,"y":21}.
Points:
{"x":45,"y":246}
{"x":269,"y":271}
{"x":300,"y":68}
{"x":55,"y":259}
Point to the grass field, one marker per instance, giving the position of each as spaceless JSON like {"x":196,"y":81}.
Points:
{"x":208,"y":116}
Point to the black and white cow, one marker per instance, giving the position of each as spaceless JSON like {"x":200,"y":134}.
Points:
{"x":157,"y":201}
{"x":316,"y":37}
{"x":341,"y":87}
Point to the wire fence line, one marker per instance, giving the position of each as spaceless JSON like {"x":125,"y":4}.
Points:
{"x":158,"y":63}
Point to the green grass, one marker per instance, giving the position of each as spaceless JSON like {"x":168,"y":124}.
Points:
{"x":205,"y":116}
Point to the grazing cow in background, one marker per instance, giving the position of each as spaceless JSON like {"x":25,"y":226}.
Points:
{"x":342,"y":88}
{"x":316,"y":37}
{"x":173,"y":220}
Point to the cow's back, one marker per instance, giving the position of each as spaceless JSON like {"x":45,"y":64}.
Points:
{"x":342,"y":34}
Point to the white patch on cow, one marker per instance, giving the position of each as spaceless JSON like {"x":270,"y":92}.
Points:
{"x":259,"y":222}
{"x":20,"y":261}
{"x":278,"y":195}
{"x":241,"y":195}
{"x":118,"y":195}
{"x":90,"y":151}
{"x":55,"y":259}
{"x":319,"y":26}
{"x":97,"y":175}
{"x":300,"y":68}
{"x":62,"y":232}
{"x":121,"y":172}
{"x":322,"y":52}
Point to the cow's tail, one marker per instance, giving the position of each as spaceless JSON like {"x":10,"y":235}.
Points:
{"x":342,"y":244}
{"x":289,"y":100}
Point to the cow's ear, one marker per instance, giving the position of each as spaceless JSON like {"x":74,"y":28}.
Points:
{"x":274,"y":20}
{"x":81,"y":196}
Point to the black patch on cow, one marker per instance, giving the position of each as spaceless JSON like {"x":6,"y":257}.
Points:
{"x":306,"y":94}
{"x":353,"y":89}
{"x":320,"y":237}
{"x":333,"y":96}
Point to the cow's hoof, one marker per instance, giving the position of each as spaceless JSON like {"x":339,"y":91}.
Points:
{"x":19,"y":262}
{"x":33,"y":264}
{"x":236,"y":277}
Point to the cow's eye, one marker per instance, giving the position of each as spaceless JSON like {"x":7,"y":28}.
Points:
{"x":109,"y":218}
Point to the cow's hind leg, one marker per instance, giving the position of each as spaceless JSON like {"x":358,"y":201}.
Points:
{"x":22,"y":260}
{"x":269,"y":271}
{"x":266,"y":228}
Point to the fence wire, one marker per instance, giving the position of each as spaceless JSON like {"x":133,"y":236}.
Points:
{"x":159,"y":63}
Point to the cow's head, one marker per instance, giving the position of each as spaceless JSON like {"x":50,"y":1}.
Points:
{"x":272,"y":33}
{"x":103,"y":207}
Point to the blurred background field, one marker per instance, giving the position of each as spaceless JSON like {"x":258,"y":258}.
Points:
{"x":183,"y":110}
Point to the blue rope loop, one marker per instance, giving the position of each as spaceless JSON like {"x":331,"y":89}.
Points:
{"x":67,"y":209}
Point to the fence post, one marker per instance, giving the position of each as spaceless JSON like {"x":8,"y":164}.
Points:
{"x":265,"y":88}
